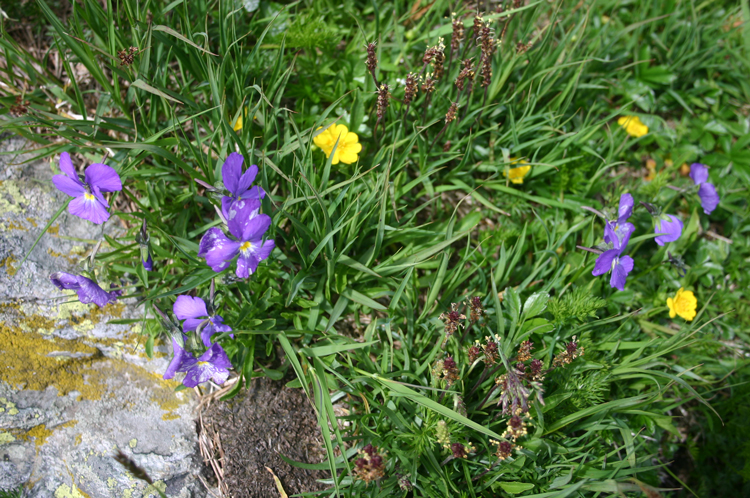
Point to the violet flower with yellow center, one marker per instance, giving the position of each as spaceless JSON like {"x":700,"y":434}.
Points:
{"x":633,"y":126}
{"x":89,"y":203}
{"x":684,"y":304}
{"x":348,"y":146}
{"x":516,"y":175}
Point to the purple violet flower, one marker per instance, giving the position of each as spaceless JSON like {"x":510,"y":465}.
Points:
{"x":89,"y":203}
{"x":706,"y":191}
{"x":88,"y":291}
{"x":213,"y":364}
{"x":670,"y":226}
{"x":238,"y":183}
{"x":248,"y":228}
{"x":193,"y":311}
{"x":148,"y":264}
{"x":611,"y":260}
{"x":624,"y":210}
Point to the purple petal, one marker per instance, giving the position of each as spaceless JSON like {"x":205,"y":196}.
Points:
{"x":89,"y":208}
{"x":699,"y":173}
{"x":255,"y":192}
{"x":622,"y":267}
{"x":189,"y":307}
{"x":213,"y":364}
{"x":618,"y":234}
{"x":709,"y":197}
{"x":265,"y":249}
{"x":246,"y":265}
{"x":148,"y":264}
{"x":99,"y":197}
{"x":217,"y":357}
{"x":239,"y":215}
{"x":625,"y":209}
{"x":604,"y":262}
{"x":218,"y":249}
{"x":207,"y":332}
{"x":247,"y":179}
{"x":192,"y":323}
{"x":103,"y":177}
{"x":66,"y":166}
{"x":90,"y":292}
{"x":670,"y":228}
{"x":181,"y":360}
{"x":256,"y":227}
{"x":219,"y":325}
{"x":63,"y":280}
{"x":68,"y":185}
{"x":231,"y":172}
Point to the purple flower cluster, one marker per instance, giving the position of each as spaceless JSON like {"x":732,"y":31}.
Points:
{"x":246,"y":225}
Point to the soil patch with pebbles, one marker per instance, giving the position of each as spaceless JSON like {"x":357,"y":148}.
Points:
{"x":265,"y":421}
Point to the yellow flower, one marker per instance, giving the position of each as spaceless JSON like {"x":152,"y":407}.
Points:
{"x":348,"y":147}
{"x":238,"y":124}
{"x":516,"y":174}
{"x":633,"y":126}
{"x":683,"y":304}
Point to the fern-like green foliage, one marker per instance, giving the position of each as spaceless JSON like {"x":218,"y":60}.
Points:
{"x":589,"y":388}
{"x":576,"y":305}
{"x":310,"y":34}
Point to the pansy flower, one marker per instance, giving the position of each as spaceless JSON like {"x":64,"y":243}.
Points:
{"x":612,"y":259}
{"x":618,"y":226}
{"x":89,"y":203}
{"x":213,"y":364}
{"x":670,"y":228}
{"x":348,"y":146}
{"x":248,"y":229}
{"x":238,"y":183}
{"x":706,"y":191}
{"x":193,"y":311}
{"x":88,"y":291}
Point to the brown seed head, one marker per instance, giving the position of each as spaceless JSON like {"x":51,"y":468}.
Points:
{"x":451,"y":114}
{"x":372,"y":58}
{"x":383,"y":97}
{"x":412,"y":87}
{"x":458,"y":33}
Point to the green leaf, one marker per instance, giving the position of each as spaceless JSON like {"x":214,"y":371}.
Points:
{"x":515,"y":487}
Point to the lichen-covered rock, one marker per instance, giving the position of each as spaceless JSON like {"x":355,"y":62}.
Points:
{"x":74,"y":388}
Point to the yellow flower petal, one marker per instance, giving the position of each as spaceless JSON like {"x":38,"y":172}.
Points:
{"x":633,"y":126}
{"x":238,"y":124}
{"x":348,"y":144}
{"x":683,"y":304}
{"x":515,"y":175}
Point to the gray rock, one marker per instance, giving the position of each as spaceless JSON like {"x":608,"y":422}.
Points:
{"x":73,"y":388}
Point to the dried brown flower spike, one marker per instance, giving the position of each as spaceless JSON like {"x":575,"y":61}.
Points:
{"x":370,"y":466}
{"x":21,"y":107}
{"x":127,"y":57}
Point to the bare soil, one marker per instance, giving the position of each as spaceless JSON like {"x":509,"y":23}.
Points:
{"x":266,"y":420}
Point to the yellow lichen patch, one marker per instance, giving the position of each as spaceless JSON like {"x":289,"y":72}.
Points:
{"x":78,"y":439}
{"x":66,"y":491}
{"x":14,"y":225}
{"x":10,"y":189}
{"x":9,"y":406}
{"x":6,"y":437}
{"x":54,"y":230}
{"x":133,"y":442}
{"x":153,"y":489}
{"x":8,"y":264}
{"x":30,"y":361}
{"x":37,"y":323}
{"x":39,"y":434}
{"x":70,"y":259}
{"x":169,"y":416}
{"x":31,"y":221}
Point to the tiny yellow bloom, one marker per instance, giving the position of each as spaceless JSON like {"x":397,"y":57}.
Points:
{"x":238,"y":124}
{"x":348,"y":147}
{"x":684,"y":169}
{"x":684,"y":304}
{"x":633,"y":126}
{"x":516,"y":174}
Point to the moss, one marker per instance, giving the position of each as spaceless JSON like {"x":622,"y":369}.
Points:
{"x":8,"y":264}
